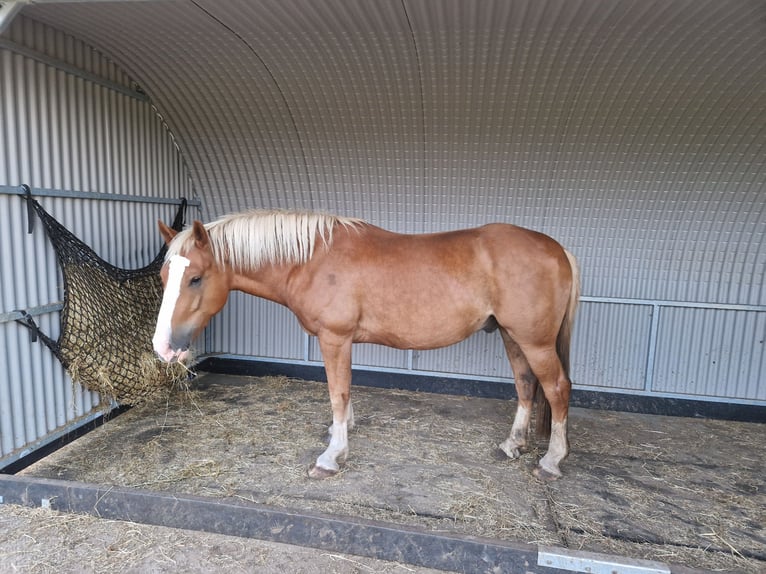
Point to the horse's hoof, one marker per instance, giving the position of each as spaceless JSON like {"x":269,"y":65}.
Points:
{"x":512,"y":452}
{"x":499,"y":454}
{"x":545,"y":476}
{"x":319,"y":473}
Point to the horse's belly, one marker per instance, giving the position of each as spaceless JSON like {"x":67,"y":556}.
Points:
{"x":421,"y":330}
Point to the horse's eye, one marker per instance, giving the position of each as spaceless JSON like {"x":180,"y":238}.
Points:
{"x":195,"y":281}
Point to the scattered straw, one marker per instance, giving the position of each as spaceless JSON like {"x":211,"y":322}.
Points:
{"x":428,"y":461}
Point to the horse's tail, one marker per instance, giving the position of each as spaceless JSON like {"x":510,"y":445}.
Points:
{"x":563,"y":340}
{"x":565,"y":332}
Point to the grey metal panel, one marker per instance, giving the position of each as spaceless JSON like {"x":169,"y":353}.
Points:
{"x":258,"y":150}
{"x":56,"y":44}
{"x":482,"y":354}
{"x":251,"y":326}
{"x":351,"y":74}
{"x":37,"y":396}
{"x":702,"y":347}
{"x":368,"y":355}
{"x":61,"y":130}
{"x":610,"y":346}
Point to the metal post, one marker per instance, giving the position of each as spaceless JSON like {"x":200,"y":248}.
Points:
{"x":652,"y":351}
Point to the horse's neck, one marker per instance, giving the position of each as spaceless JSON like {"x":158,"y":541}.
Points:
{"x":269,"y":282}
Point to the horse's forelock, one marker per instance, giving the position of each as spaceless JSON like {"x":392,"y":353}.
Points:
{"x":179,"y":245}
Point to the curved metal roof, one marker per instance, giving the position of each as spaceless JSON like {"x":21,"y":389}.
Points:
{"x":618,"y":125}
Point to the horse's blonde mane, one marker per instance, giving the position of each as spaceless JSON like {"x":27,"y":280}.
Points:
{"x":253,"y":238}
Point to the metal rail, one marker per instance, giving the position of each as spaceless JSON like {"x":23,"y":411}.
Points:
{"x":96,"y":195}
{"x":8,"y":316}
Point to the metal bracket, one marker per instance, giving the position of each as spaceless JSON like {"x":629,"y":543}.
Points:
{"x":30,"y":324}
{"x":26,"y":193}
{"x":593,"y":563}
{"x":27,"y":321}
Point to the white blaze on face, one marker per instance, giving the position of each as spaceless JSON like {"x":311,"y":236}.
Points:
{"x":161,"y":340}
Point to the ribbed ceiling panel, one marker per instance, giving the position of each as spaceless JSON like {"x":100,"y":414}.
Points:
{"x":632,"y":130}
{"x":349,"y":75}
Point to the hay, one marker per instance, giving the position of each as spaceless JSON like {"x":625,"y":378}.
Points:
{"x":151,"y":378}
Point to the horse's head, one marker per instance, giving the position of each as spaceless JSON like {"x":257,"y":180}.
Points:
{"x":195,"y":288}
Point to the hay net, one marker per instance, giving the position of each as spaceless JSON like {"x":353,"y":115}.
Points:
{"x":108,"y":319}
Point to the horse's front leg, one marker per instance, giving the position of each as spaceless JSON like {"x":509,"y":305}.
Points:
{"x":336,"y":353}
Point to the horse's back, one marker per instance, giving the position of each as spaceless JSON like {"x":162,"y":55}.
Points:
{"x":495,"y":252}
{"x":503,"y":237}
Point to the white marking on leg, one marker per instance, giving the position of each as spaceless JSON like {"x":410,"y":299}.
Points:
{"x":558,"y":448}
{"x":518,"y":438}
{"x":349,"y":419}
{"x":350,"y":416}
{"x":161,"y":340}
{"x":338,"y":448}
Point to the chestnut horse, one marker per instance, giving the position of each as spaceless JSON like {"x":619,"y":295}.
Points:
{"x":350,"y":282}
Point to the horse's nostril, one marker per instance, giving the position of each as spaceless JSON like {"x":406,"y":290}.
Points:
{"x":180,"y":339}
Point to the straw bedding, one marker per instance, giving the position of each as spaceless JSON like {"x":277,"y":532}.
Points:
{"x":678,"y":490}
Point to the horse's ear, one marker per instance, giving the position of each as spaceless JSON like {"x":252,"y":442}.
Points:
{"x":167,"y":233}
{"x":199,"y":233}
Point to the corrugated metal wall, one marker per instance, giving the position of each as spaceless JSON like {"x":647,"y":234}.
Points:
{"x":70,"y":122}
{"x":633,"y":132}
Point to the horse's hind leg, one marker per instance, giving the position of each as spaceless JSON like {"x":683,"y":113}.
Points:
{"x":526,"y":384}
{"x":545,"y":363}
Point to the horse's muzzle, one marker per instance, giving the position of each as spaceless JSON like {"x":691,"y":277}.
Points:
{"x":171,"y":347}
{"x":171,"y":355}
